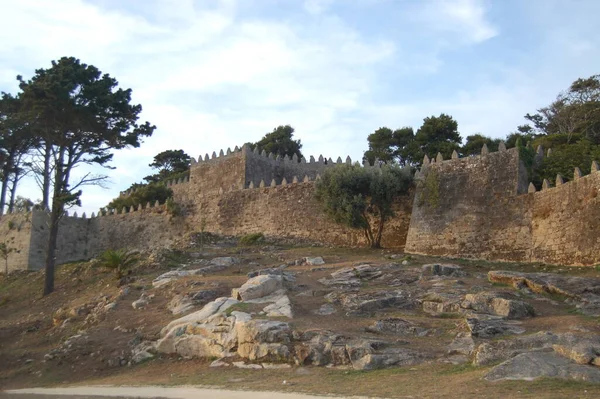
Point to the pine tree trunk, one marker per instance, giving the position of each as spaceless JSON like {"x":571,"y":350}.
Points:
{"x":379,"y":233}
{"x":3,"y":193}
{"x":51,"y":249}
{"x":55,"y":214}
{"x":46,"y":177}
{"x":13,"y":193}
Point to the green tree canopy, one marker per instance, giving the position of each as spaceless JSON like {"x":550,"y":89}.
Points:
{"x":85,"y":117}
{"x":142,"y":194}
{"x":438,"y":134}
{"x":389,"y":146}
{"x":280,"y":142}
{"x":475,"y":142}
{"x":170,"y":164}
{"x":362,"y":198}
{"x":575,"y":112}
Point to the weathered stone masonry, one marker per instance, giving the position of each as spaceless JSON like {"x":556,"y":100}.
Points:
{"x":480,"y":207}
{"x":477,"y":207}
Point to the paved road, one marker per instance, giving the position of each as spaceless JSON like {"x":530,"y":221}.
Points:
{"x":145,"y":392}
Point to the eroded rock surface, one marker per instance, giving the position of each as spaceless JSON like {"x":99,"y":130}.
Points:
{"x":258,"y":287}
{"x":397,"y":326}
{"x":532,"y":365}
{"x":498,"y":303}
{"x":584,"y":291}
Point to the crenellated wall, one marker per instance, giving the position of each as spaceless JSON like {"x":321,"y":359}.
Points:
{"x":470,"y":207}
{"x":566,"y":221}
{"x":483,"y":207}
{"x":475,"y":207}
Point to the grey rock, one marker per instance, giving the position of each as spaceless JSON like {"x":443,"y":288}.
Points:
{"x":491,"y":352}
{"x":180,"y":304}
{"x":325,"y":310}
{"x":462,"y":344}
{"x":484,"y":326}
{"x":139,"y":304}
{"x":532,"y":365}
{"x":314,"y":261}
{"x":352,"y":276}
{"x":224,"y":261}
{"x":497,"y":303}
{"x":437,"y":269}
{"x":362,"y":304}
{"x":397,"y":326}
{"x":584,"y":291}
{"x":258,"y":287}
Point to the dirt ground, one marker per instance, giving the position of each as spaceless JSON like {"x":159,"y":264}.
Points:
{"x":31,"y":326}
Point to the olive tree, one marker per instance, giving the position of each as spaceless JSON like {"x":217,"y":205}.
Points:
{"x":363,"y":197}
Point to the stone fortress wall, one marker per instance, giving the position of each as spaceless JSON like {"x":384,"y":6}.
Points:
{"x":484,"y":207}
{"x":476,"y":207}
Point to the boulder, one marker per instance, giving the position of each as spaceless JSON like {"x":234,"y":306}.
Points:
{"x":225,"y":261}
{"x":315,"y":261}
{"x":491,"y":352}
{"x":140,"y":303}
{"x":180,"y":304}
{"x":362,"y":304}
{"x":436,"y":303}
{"x":581,"y":350}
{"x":437,"y":269}
{"x":217,"y":306}
{"x":258,"y":287}
{"x":263,"y":340}
{"x":214,"y":337}
{"x":585,"y":291}
{"x":486,"y":326}
{"x":397,"y":326}
{"x":325,"y":310}
{"x":280,"y":308}
{"x":499,"y":304}
{"x":352,"y":276}
{"x":548,"y":364}
{"x":462,"y":344}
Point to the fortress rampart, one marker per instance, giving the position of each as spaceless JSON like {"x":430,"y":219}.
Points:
{"x":475,"y":207}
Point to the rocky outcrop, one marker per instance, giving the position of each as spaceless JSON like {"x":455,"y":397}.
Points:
{"x":491,"y":352}
{"x":437,"y":269}
{"x":215,"y":265}
{"x":397,"y":326}
{"x":352,"y":276}
{"x":532,"y":365}
{"x":258,"y":287}
{"x":485,"y":326}
{"x":584,"y":291}
{"x":499,"y":304}
{"x":364,"y":304}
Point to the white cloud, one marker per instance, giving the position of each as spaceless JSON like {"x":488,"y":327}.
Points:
{"x":317,"y":6}
{"x":464,"y":19}
{"x":210,"y":76}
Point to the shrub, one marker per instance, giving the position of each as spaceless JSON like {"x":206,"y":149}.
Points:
{"x":173,"y":207}
{"x":252,"y":239}
{"x":118,"y":260}
{"x":362,"y":198}
{"x":143,"y":195}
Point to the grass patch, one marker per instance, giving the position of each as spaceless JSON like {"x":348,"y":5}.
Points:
{"x":252,"y":239}
{"x":239,"y":307}
{"x":458,"y":369}
{"x":449,"y":315}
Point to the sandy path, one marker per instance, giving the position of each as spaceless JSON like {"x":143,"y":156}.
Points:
{"x":151,"y":392}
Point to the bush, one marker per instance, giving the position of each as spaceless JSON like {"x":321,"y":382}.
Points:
{"x":173,"y":207}
{"x":252,"y":239}
{"x":118,"y":260}
{"x":143,"y":195}
{"x":362,"y":198}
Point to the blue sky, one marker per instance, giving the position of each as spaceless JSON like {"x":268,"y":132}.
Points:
{"x":213,"y":74}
